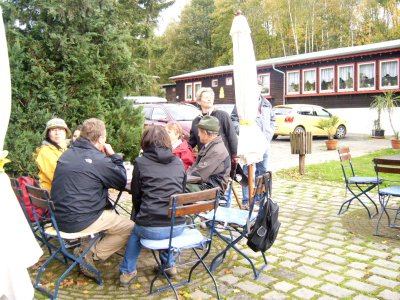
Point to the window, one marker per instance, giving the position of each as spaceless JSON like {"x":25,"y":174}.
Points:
{"x":228,"y":81}
{"x":159,"y":114}
{"x":346,"y":78}
{"x":326,"y":79}
{"x":389,"y":74}
{"x":265,"y":79}
{"x":188,"y":92}
{"x":366,"y":76}
{"x":214,"y":82}
{"x":197,"y":86}
{"x":309,"y":81}
{"x":320,"y":112}
{"x":293,"y":82}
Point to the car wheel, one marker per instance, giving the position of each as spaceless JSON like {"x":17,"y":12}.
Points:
{"x":340,"y":132}
{"x":275,"y":136}
{"x":299,"y":129}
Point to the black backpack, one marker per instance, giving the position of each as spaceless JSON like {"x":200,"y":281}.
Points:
{"x":265,"y":229}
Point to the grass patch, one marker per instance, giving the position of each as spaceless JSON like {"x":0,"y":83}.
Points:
{"x":332,"y":170}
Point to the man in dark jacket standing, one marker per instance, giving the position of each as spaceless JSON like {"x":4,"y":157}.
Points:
{"x":213,"y":162}
{"x":205,"y":99}
{"x":80,"y":186}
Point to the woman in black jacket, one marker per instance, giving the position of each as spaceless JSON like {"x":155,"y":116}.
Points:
{"x":157,"y":175}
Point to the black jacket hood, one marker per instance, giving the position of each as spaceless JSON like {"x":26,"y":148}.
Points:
{"x":159,"y":154}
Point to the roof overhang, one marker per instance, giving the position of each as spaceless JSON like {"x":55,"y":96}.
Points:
{"x":301,"y":58}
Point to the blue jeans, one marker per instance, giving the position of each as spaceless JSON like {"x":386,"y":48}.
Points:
{"x":261,"y":168}
{"x":134,"y":247}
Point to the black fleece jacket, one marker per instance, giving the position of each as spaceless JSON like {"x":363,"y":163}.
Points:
{"x":80,"y":186}
{"x":157,"y":175}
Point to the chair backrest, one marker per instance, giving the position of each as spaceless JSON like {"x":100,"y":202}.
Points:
{"x":345,"y":161}
{"x":384,"y":165}
{"x":19,"y":194}
{"x":262,"y":190}
{"x":193,"y":203}
{"x":16,"y":188}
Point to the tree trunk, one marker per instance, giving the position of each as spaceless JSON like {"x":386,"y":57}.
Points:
{"x":293,"y":25}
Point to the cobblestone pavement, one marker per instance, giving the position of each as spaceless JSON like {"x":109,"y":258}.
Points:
{"x":317,"y":255}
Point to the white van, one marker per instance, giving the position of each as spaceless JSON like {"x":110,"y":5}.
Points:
{"x":146,"y":99}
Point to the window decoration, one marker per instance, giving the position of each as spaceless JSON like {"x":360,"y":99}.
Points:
{"x":188,"y":92}
{"x":214,"y":83}
{"x":197,"y":87}
{"x":228,"y":81}
{"x":366,"y":76}
{"x":293,"y":82}
{"x":346,"y":78}
{"x":389,"y":74}
{"x":265,"y":79}
{"x":326,"y":80}
{"x":309,"y":81}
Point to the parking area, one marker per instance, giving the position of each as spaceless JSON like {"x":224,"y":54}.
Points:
{"x":281,"y":158}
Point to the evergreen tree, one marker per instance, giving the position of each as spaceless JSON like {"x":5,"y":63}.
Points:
{"x":72,"y":59}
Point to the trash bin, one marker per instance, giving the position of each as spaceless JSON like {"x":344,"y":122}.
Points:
{"x":300,"y":142}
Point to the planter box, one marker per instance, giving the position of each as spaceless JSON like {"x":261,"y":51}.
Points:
{"x":378,"y":134}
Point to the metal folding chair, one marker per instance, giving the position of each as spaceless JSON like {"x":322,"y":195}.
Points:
{"x":358,"y":186}
{"x":61,"y":243}
{"x":191,"y":238}
{"x":238,"y":222}
{"x":388,"y":166}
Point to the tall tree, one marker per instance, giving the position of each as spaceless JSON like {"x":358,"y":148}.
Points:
{"x":70,"y":59}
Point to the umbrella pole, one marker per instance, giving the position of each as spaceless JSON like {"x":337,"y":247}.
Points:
{"x":251,"y":182}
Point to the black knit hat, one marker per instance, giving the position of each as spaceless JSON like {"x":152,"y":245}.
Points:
{"x":209,"y":123}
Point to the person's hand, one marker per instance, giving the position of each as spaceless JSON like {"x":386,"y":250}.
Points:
{"x":108,"y":150}
{"x":235,"y":159}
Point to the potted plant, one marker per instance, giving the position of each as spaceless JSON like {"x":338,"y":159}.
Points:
{"x":389,"y":101}
{"x":329,"y":125}
{"x":379,"y":104}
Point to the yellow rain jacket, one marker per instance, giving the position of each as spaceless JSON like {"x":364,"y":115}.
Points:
{"x":46,"y":158}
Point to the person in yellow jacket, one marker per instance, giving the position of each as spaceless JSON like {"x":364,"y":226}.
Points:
{"x":49,"y":152}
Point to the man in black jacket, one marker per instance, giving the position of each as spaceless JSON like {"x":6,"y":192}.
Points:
{"x":205,"y":99}
{"x":80,"y":186}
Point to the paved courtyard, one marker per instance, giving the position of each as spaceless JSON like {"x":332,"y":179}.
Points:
{"x":317,"y":255}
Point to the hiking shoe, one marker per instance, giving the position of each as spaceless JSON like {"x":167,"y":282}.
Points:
{"x":88,"y":259}
{"x":126,"y":278}
{"x":171,"y":271}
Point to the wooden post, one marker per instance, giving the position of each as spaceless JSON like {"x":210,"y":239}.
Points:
{"x":251,"y":180}
{"x":302,"y":163}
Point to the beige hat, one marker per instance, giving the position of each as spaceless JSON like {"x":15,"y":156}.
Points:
{"x":56,"y":123}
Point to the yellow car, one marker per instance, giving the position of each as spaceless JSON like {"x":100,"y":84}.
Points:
{"x":303,"y":117}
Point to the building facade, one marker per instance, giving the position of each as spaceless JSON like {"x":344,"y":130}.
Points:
{"x":336,"y":79}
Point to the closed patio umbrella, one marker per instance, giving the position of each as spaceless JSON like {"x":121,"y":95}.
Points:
{"x":252,"y":142}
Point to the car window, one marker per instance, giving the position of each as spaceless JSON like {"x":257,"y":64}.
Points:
{"x":183,"y":112}
{"x":147,"y":112}
{"x":159,"y":114}
{"x":282,"y":110}
{"x":305,"y":111}
{"x":320,"y":112}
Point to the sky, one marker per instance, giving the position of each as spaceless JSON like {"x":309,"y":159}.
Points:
{"x":170,"y":14}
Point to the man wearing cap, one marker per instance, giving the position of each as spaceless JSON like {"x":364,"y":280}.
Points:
{"x":83,"y":176}
{"x":47,"y":155}
{"x":213,"y":162}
